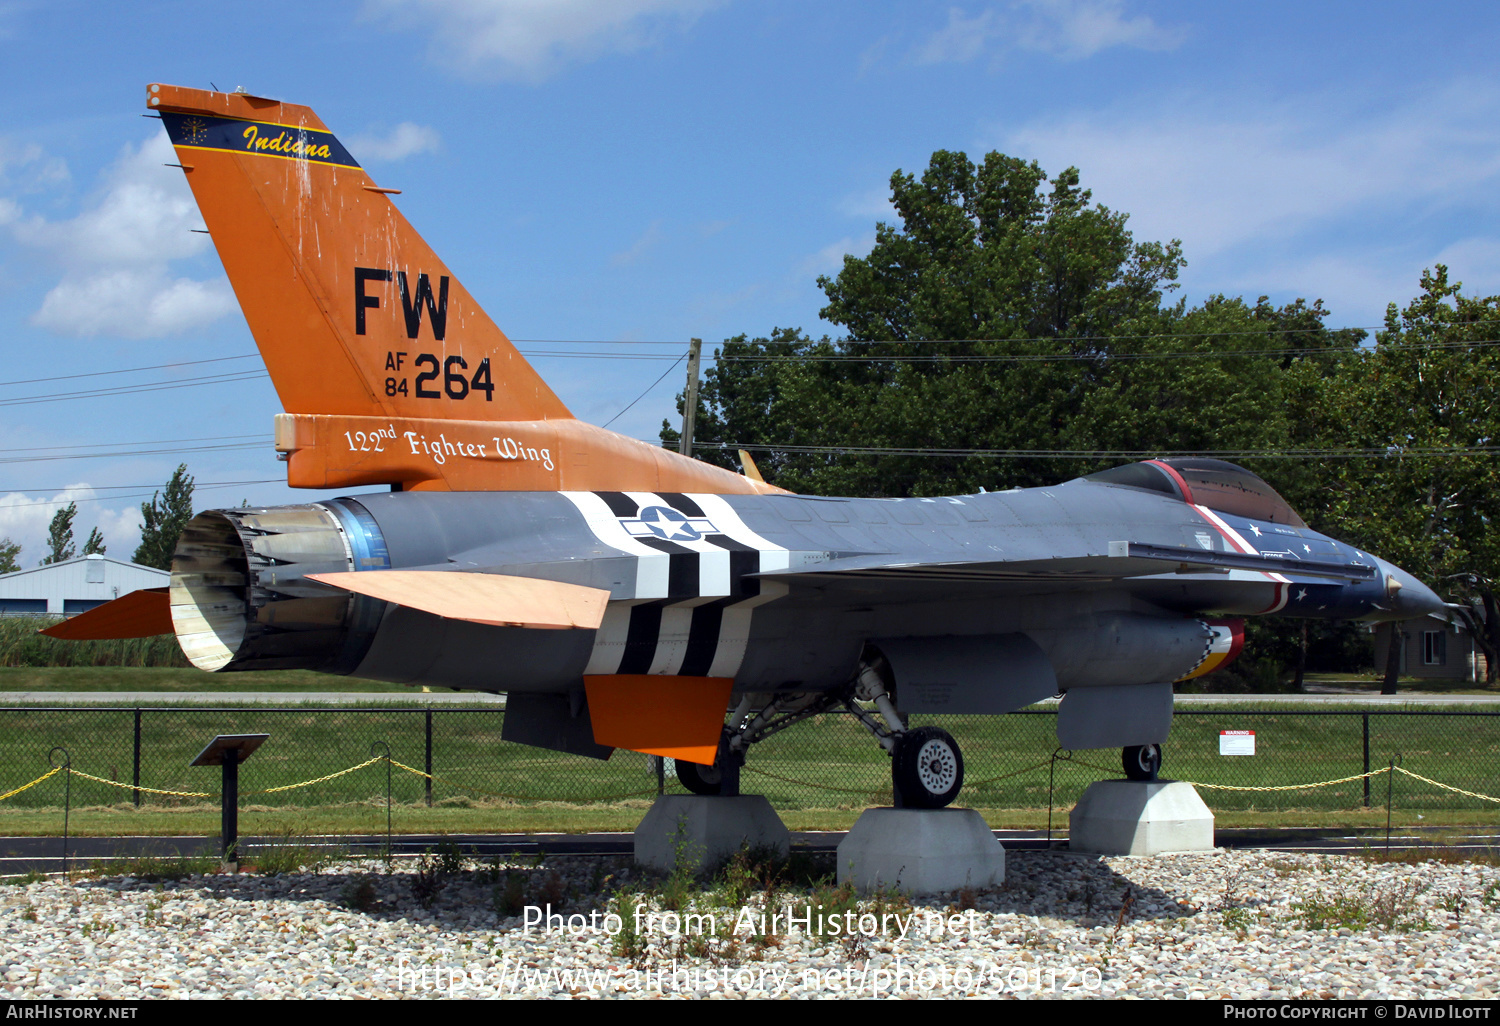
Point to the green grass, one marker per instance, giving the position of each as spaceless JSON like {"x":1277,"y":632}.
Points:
{"x":21,"y":645}
{"x":819,"y":774}
{"x":171,"y":679}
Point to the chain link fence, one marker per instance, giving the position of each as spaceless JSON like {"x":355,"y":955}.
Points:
{"x":829,"y":762}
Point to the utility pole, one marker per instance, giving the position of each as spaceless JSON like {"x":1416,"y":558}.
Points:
{"x":690,"y":403}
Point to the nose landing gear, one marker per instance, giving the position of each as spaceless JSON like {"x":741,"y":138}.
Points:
{"x":1142,"y":762}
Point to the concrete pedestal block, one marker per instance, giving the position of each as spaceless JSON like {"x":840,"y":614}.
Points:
{"x":707,"y":830}
{"x":921,"y":851}
{"x":1140,"y":817}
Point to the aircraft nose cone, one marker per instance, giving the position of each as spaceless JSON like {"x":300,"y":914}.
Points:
{"x":1411,"y":597}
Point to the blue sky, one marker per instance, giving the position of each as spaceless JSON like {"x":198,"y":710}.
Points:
{"x":651,"y":170}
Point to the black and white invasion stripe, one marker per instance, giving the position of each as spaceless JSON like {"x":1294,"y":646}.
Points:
{"x":694,"y":597}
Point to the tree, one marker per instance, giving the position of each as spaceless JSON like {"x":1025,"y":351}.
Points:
{"x":94,"y":544}
{"x":9,"y":550}
{"x":163,"y":518}
{"x":1424,"y":399}
{"x":60,"y":535}
{"x":980,"y":322}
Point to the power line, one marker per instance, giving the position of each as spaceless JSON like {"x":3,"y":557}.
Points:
{"x":233,"y":447}
{"x":149,"y":441}
{"x":643,"y":395}
{"x":131,"y":370}
{"x":197,"y":486}
{"x":1091,"y":454}
{"x":153,"y":386}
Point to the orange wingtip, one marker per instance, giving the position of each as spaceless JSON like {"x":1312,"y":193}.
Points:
{"x":481,"y":598}
{"x":676,"y":717}
{"x":138,"y":614}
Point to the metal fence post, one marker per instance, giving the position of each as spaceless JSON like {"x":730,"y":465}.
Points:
{"x":67,"y":765}
{"x":135,"y":779}
{"x":428,"y":765}
{"x":1366,"y":718}
{"x":376,"y":751}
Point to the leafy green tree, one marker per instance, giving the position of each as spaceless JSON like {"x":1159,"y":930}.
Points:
{"x":60,"y":535}
{"x":163,"y":518}
{"x":94,"y":544}
{"x":1424,"y":399}
{"x":979,"y":322}
{"x":9,"y":550}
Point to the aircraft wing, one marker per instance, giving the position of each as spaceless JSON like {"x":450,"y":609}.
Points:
{"x":1125,"y":559}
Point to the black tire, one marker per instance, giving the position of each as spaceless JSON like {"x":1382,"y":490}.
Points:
{"x":700,"y":779}
{"x":1142,"y":762}
{"x":927,"y":769}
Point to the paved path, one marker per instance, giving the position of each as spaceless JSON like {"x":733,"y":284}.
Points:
{"x":19,"y":855}
{"x":375,"y":698}
{"x":363,"y":699}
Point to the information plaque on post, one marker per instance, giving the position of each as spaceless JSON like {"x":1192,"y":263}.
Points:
{"x":229,"y":751}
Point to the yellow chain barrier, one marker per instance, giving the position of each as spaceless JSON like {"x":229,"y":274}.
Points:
{"x":1004,"y":776}
{"x":319,"y":780}
{"x":513,"y":797}
{"x":815,"y":787}
{"x":38,"y":780}
{"x":1447,"y":787}
{"x":759,"y":772}
{"x":140,"y":787}
{"x":1294,"y":787}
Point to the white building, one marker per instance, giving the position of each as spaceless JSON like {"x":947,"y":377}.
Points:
{"x":63,"y":589}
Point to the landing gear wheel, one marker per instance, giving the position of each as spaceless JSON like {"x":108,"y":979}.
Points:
{"x":700,"y":779}
{"x":927,"y":768}
{"x":1142,"y":762}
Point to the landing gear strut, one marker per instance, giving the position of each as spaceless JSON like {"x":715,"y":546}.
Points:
{"x":927,"y":769}
{"x":1142,"y":762}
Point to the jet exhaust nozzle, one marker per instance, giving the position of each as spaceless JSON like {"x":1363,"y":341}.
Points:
{"x":241,"y":600}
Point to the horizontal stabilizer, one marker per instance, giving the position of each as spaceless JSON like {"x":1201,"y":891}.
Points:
{"x":138,"y":614}
{"x":674,"y":717}
{"x":479,"y":598}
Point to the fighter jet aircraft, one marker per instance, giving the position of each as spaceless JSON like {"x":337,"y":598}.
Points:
{"x":622,"y":595}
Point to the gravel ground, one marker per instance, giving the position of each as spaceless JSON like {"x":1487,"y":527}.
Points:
{"x":1236,"y":924}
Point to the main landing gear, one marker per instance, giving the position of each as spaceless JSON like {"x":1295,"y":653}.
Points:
{"x":927,"y":768}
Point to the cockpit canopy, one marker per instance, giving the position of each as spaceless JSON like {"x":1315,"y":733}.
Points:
{"x":1216,"y":484}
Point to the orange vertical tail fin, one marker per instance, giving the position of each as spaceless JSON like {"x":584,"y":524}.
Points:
{"x":390,"y":372}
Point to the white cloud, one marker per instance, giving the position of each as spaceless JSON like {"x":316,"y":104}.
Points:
{"x":25,"y":519}
{"x":1329,"y":178}
{"x":960,"y":41}
{"x":116,"y":254}
{"x":638,"y":249}
{"x":403,"y":141}
{"x":1220,"y":177}
{"x":530,"y":40}
{"x":874,"y":203}
{"x":27,"y":168}
{"x":133,"y":304}
{"x":146,"y":214}
{"x":1081,"y":28}
{"x":1069,"y":29}
{"x":830,"y":259}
